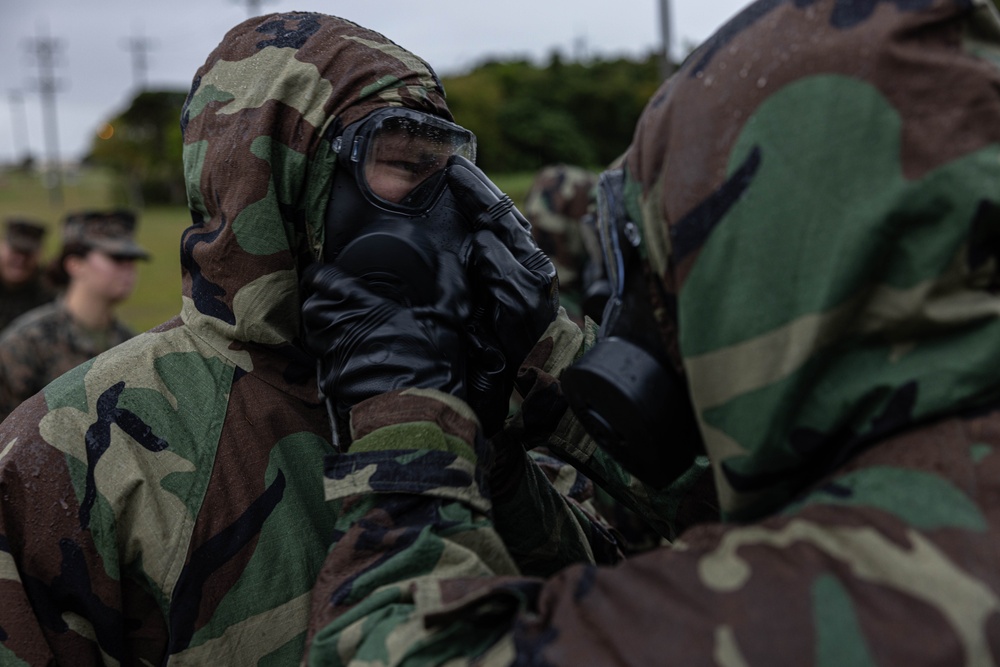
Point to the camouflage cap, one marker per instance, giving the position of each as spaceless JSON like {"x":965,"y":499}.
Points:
{"x":559,"y":199}
{"x":24,"y":235}
{"x":111,"y":232}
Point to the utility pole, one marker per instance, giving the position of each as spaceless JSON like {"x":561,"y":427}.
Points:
{"x":19,"y":123}
{"x":46,"y":49}
{"x":253,"y":6}
{"x":139,"y":47}
{"x":666,"y":64}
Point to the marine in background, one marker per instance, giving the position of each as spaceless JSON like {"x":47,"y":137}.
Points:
{"x":96,"y":272}
{"x":560,"y":205}
{"x":23,"y":285}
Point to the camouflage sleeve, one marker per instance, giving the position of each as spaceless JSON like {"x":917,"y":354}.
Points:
{"x":413,"y":508}
{"x":889,"y":562}
{"x":543,"y":511}
{"x":543,"y":507}
{"x":421,"y":528}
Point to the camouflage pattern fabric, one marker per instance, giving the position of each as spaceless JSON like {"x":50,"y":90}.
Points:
{"x":544,"y":531}
{"x":164,"y":502}
{"x":819,"y":337}
{"x":817,"y":190}
{"x":42,"y":345}
{"x":560,"y":206}
{"x":111,"y":232}
{"x":559,"y":199}
{"x":16,"y":301}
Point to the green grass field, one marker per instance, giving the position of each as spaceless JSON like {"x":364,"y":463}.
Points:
{"x":157,"y":297}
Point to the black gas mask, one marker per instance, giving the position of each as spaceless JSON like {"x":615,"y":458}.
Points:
{"x":391,"y":216}
{"x":625,"y":391}
{"x":390,"y":212}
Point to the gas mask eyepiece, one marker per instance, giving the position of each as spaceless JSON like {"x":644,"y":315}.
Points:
{"x":397,"y":156}
{"x":624,"y":390}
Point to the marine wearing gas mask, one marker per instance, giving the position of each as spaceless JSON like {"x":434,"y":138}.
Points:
{"x":417,"y":236}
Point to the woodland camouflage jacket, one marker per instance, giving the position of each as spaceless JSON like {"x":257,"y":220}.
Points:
{"x":818,"y":192}
{"x":163,"y":503}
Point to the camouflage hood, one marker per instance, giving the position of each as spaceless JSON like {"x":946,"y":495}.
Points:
{"x":819,"y":191}
{"x":257,"y":168}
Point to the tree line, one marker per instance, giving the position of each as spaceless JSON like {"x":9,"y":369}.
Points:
{"x":525,"y":116}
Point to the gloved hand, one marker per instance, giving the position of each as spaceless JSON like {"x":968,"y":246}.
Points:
{"x":514,"y":287}
{"x":368,"y":343}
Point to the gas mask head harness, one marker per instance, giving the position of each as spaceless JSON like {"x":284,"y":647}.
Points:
{"x":390,"y":212}
{"x":625,"y":390}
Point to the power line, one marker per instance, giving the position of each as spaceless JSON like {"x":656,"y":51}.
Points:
{"x":253,"y":6}
{"x":19,"y":124}
{"x":46,"y":50}
{"x":139,"y":47}
{"x":666,"y":64}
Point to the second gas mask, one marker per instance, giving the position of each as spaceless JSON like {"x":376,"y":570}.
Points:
{"x":625,"y":390}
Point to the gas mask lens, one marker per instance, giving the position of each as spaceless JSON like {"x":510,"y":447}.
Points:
{"x":399,"y":155}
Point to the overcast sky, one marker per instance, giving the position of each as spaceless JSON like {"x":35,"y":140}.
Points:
{"x":96,"y":77}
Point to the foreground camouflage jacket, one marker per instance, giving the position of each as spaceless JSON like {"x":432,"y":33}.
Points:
{"x":818,"y":192}
{"x":164,"y":502}
{"x":42,"y":345}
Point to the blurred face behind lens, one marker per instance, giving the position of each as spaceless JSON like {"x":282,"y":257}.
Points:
{"x":401,"y":159}
{"x":391,"y":168}
{"x":398,"y":156}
